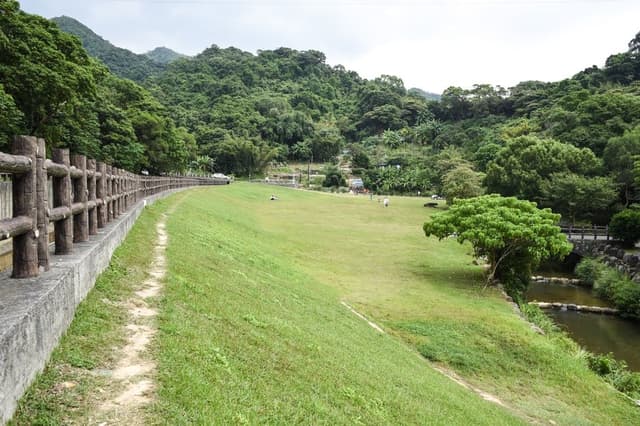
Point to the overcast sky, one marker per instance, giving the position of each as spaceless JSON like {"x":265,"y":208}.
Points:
{"x":430,"y":44}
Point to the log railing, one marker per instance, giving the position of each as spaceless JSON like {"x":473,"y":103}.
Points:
{"x":87,"y":195}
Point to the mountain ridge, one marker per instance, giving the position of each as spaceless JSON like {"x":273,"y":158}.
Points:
{"x":121,"y":62}
{"x":164,"y":55}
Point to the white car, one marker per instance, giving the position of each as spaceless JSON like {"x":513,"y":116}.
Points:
{"x":222,"y":177}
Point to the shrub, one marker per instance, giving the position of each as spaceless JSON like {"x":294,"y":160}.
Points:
{"x":534,"y":315}
{"x":333,"y":177}
{"x":605,"y":283}
{"x":616,"y":287}
{"x":615,"y":372}
{"x":625,"y":226}
{"x":626,"y":297}
{"x":588,"y":271}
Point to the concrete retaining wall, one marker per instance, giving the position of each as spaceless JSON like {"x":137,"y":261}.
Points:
{"x":35,"y":313}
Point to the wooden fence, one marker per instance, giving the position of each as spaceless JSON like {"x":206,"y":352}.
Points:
{"x":86,"y":196}
{"x":592,"y":232}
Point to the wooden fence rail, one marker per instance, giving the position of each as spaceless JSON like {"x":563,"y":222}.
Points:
{"x":592,"y":232}
{"x":87,"y":195}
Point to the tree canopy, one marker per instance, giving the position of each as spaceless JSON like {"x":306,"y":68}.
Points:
{"x":53,"y":89}
{"x":513,"y":235}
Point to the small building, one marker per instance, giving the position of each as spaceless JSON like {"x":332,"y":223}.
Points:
{"x":283,"y":179}
{"x":356,"y":184}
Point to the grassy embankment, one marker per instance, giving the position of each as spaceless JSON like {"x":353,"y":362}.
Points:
{"x":252,"y":329}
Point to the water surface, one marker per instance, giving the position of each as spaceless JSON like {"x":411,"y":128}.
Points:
{"x":562,"y":293}
{"x":602,"y":334}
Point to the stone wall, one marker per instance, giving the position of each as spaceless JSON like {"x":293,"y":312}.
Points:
{"x":612,"y":256}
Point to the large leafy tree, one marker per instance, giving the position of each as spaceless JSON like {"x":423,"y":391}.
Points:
{"x":619,"y":156}
{"x":11,"y":118}
{"x":513,"y":235}
{"x":625,"y":226}
{"x":333,"y":177}
{"x":242,"y":156}
{"x":461,"y":182}
{"x":520,"y":168}
{"x":579,"y":197}
{"x":53,"y":89}
{"x":46,"y":71}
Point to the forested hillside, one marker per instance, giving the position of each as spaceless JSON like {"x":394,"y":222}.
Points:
{"x":121,"y":62}
{"x":569,"y":145}
{"x":246,"y":110}
{"x":50,"y":87}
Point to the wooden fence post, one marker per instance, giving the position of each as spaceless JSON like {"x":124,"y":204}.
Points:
{"x":91,"y":188}
{"x":109,"y":193}
{"x":115,"y":192}
{"x":123,"y":191}
{"x":136,"y":188}
{"x":80,"y":220}
{"x":125,"y":197}
{"x":119,"y":201}
{"x":42,"y":200}
{"x":127,"y":188}
{"x":62,"y":198}
{"x":101,"y":193}
{"x":25,"y":246}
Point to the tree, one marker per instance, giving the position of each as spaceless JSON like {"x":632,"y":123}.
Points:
{"x":359,"y":157}
{"x":634,"y":44}
{"x":10,"y":119}
{"x":45,"y":70}
{"x":454,"y":104}
{"x":625,"y":226}
{"x":461,"y":182}
{"x":325,"y":142}
{"x":51,"y":88}
{"x":525,"y":162}
{"x":425,"y":132}
{"x":241,"y":156}
{"x":579,"y":197}
{"x":382,"y":118}
{"x":618,"y":158}
{"x":333,"y":177}
{"x":392,"y":139}
{"x":514,"y":236}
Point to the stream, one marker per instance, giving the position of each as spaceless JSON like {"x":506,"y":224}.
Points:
{"x":597,"y":333}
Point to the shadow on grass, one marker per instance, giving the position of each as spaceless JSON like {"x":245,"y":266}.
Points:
{"x":454,"y":277}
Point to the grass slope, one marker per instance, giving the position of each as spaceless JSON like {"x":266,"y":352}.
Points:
{"x":247,"y":335}
{"x":253,"y":330}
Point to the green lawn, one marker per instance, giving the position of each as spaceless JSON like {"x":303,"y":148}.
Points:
{"x":253,"y":320}
{"x":252,"y":329}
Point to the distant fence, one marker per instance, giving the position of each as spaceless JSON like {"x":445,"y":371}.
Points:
{"x":586,"y":232}
{"x":86,"y":195}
